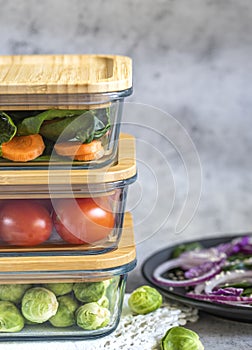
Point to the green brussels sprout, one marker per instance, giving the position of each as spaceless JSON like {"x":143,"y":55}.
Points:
{"x":112,"y":292}
{"x":92,"y":316}
{"x":13,"y":292}
{"x":30,"y":323}
{"x":181,"y":338}
{"x":59,"y":288}
{"x":88,"y":292}
{"x":64,"y":316}
{"x":104,"y":302}
{"x":11,"y":319}
{"x":39,"y":304}
{"x":145,"y":299}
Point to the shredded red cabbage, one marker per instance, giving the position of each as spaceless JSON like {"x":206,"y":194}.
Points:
{"x":205,"y":276}
{"x":228,"y":291}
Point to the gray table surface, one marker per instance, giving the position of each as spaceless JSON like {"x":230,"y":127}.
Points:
{"x":216,"y":333}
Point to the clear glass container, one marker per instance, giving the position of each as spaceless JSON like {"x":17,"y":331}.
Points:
{"x":65,"y":212}
{"x":65,"y":300}
{"x":62,"y":110}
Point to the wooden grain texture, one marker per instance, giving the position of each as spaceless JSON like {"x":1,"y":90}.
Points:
{"x":64,"y":74}
{"x":125,"y":254}
{"x":124,"y":169}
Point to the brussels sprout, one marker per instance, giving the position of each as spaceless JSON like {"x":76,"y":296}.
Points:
{"x":11,"y":319}
{"x":88,"y":292}
{"x":13,"y":292}
{"x":92,"y":316}
{"x":39,"y":304}
{"x":111,"y":292}
{"x":30,"y":323}
{"x":64,"y":316}
{"x":144,"y":299}
{"x":59,"y":288}
{"x":104,"y":302}
{"x":181,"y":338}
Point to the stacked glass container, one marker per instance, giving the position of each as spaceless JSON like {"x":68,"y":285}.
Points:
{"x":66,"y":243}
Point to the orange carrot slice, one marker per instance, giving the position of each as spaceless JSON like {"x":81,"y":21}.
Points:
{"x":23,"y":148}
{"x":90,"y":156}
{"x":80,"y":151}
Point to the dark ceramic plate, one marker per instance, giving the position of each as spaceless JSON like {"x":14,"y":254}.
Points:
{"x":237,"y":313}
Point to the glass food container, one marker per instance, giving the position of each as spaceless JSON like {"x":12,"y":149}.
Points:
{"x":61,"y":212}
{"x":63,"y":110}
{"x":71,"y":298}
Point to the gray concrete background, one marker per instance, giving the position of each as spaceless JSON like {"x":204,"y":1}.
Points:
{"x":192,"y":87}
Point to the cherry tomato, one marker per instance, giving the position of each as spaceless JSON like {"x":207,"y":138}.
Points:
{"x":45,"y":202}
{"x":83,"y":220}
{"x":24,"y":222}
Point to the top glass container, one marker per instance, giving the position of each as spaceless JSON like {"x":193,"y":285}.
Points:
{"x":71,"y":103}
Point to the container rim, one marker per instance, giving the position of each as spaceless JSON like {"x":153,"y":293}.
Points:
{"x":78,"y":274}
{"x":44,"y":101}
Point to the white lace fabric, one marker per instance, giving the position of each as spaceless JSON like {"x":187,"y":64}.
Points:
{"x":144,"y":332}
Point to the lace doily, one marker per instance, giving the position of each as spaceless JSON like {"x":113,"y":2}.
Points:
{"x":144,"y":332}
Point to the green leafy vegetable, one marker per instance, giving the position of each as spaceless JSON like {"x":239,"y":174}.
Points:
{"x":145,"y":299}
{"x":11,"y":319}
{"x":32,"y":125}
{"x":185,"y":248}
{"x":92,"y":316}
{"x":7,"y":128}
{"x":80,"y":125}
{"x":180,"y":338}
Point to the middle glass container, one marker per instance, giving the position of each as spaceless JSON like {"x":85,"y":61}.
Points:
{"x":66,"y":211}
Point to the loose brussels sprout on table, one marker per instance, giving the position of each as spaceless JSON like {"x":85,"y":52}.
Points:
{"x":92,"y":316}
{"x":144,"y":299}
{"x":64,"y":316}
{"x":39,"y":304}
{"x":13,"y":292}
{"x":180,"y":338}
{"x":11,"y":319}
{"x":88,"y":292}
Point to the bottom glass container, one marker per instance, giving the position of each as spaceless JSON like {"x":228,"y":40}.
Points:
{"x":48,"y":301}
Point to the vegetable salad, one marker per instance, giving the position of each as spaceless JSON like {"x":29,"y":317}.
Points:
{"x":33,"y":135}
{"x":221,"y":274}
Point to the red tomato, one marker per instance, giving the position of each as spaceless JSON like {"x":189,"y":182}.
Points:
{"x":24,"y":223}
{"x":83,"y":220}
{"x":46,"y":202}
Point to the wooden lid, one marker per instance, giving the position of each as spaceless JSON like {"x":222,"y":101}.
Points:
{"x":125,"y":254}
{"x":124,"y":169}
{"x":64,"y":74}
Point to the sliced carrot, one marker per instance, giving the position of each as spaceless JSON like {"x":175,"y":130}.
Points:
{"x":80,"y":151}
{"x":90,"y":156}
{"x":23,"y":148}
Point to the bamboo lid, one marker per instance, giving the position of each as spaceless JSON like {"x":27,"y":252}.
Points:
{"x":64,"y":74}
{"x":27,"y":179}
{"x":125,"y":254}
